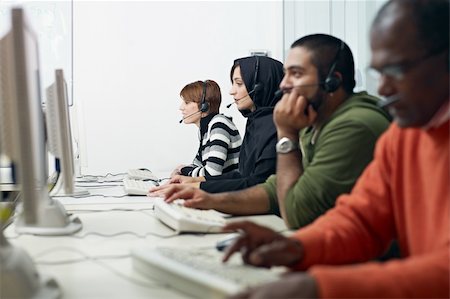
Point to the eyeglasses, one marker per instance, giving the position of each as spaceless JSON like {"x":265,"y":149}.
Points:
{"x":397,"y":71}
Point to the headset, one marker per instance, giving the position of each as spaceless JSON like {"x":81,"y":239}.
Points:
{"x":256,"y":85}
{"x":204,"y":106}
{"x":332,"y":81}
{"x":329,"y":85}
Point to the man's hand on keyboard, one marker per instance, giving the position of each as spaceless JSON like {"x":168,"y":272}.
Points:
{"x":182,"y":179}
{"x":168,"y":189}
{"x":293,"y":285}
{"x":194,"y":197}
{"x":263,"y":247}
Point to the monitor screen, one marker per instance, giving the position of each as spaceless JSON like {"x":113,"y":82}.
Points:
{"x":8,"y":125}
{"x":59,"y":137}
{"x":25,"y":131}
{"x":32,"y":172}
{"x":21,"y":130}
{"x":21,"y":115}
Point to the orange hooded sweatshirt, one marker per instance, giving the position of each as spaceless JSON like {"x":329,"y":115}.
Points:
{"x":404,"y":194}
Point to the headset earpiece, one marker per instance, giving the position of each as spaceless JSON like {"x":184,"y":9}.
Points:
{"x":333,"y":81}
{"x":256,"y":85}
{"x":204,"y":106}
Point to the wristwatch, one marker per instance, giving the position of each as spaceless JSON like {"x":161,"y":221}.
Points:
{"x":286,"y":145}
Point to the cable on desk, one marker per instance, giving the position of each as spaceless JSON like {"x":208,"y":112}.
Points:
{"x":71,"y":261}
{"x":99,"y":186}
{"x":139,"y":236}
{"x":100,"y":181}
{"x":13,"y":217}
{"x":123,"y":233}
{"x":103,"y":176}
{"x":94,"y":195}
{"x":97,"y":260}
{"x":111,"y":210}
{"x":98,"y":178}
{"x":144,"y":236}
{"x":115,"y":210}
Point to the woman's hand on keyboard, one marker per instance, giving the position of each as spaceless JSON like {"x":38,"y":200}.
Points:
{"x":177,"y":170}
{"x":263,"y":247}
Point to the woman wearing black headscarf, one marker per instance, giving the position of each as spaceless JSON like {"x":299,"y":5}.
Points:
{"x":255,"y":80}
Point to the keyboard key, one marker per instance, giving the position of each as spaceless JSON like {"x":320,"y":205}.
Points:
{"x":183,"y":219}
{"x":200,"y":272}
{"x":137,"y":187}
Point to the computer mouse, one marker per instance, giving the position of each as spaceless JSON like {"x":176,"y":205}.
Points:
{"x":221,"y":245}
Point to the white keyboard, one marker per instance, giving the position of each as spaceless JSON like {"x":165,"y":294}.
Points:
{"x":141,"y":174}
{"x":138,"y":187}
{"x":183,"y":219}
{"x":199,"y":272}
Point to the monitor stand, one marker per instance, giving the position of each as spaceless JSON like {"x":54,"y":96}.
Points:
{"x":53,"y":221}
{"x":19,"y":276}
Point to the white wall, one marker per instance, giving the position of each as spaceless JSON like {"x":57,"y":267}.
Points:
{"x":349,"y":20}
{"x":51,"y":21}
{"x":131,"y":59}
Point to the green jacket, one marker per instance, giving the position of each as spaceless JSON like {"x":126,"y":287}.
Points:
{"x":333,"y":159}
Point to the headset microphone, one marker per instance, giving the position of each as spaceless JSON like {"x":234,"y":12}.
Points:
{"x":237,"y":100}
{"x":388,"y":102}
{"x":314,"y":104}
{"x":280,"y":92}
{"x":257,"y":86}
{"x":229,"y":105}
{"x":204,"y":106}
{"x":199,"y":111}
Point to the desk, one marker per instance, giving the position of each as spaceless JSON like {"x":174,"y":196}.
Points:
{"x":112,"y":275}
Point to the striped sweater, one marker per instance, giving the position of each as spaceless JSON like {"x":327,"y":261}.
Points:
{"x":219,"y":148}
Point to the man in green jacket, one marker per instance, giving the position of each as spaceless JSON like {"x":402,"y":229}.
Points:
{"x":326,"y":133}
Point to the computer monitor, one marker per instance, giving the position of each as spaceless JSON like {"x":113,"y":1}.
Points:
{"x":59,"y":137}
{"x":22,"y":133}
{"x":8,"y":131}
{"x":23,"y":136}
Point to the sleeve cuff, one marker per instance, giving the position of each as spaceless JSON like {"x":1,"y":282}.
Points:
{"x":270,"y":187}
{"x":311,"y":240}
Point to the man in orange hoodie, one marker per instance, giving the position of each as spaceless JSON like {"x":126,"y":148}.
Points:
{"x":403,"y":194}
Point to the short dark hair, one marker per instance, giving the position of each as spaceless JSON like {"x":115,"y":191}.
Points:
{"x":430,"y":17}
{"x":323,"y":49}
{"x":192,"y":92}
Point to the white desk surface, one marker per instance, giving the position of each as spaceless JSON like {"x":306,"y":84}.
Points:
{"x":111,"y":274}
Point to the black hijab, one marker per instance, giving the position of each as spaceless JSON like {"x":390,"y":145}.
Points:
{"x":257,"y":158}
{"x":268,"y":78}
